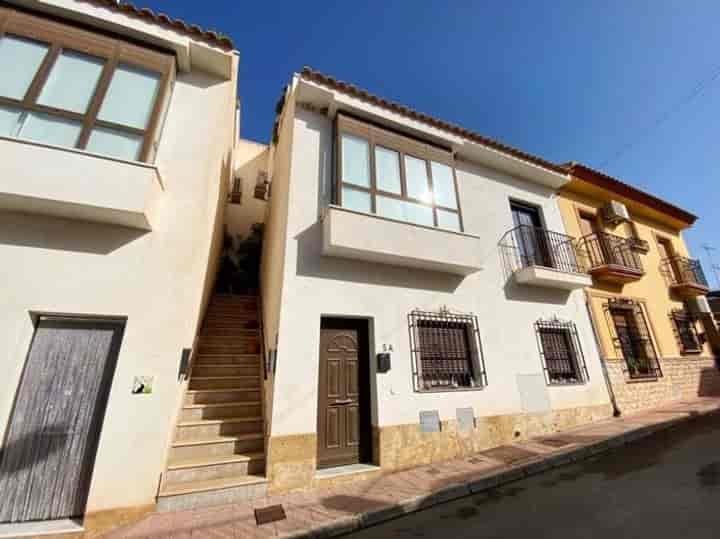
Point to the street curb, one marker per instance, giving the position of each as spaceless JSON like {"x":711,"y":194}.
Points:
{"x":492,"y":480}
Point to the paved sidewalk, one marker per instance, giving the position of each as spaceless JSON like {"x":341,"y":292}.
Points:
{"x":331,"y":512}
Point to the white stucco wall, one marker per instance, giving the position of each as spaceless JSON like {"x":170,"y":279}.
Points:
{"x":157,"y":279}
{"x":250,"y":160}
{"x":315,"y":285}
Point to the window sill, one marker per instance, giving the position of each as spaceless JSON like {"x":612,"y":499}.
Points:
{"x":566,"y":384}
{"x":453,"y":390}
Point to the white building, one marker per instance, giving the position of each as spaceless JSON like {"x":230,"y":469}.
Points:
{"x":390,"y":232}
{"x":117,"y":129}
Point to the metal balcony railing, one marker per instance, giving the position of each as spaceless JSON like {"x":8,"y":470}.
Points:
{"x":603,"y":249}
{"x":525,"y":246}
{"x":679,"y":270}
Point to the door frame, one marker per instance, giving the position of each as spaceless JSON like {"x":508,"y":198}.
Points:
{"x":363,"y":327}
{"x":98,"y":420}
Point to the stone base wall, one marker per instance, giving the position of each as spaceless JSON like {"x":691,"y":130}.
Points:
{"x":683,"y":378}
{"x":292,"y":460}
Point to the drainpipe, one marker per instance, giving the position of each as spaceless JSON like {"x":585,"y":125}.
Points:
{"x":606,"y":375}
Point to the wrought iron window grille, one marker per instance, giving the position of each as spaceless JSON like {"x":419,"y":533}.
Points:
{"x":689,"y":339}
{"x":446,"y":351}
{"x":632,"y":338}
{"x":561,"y":353}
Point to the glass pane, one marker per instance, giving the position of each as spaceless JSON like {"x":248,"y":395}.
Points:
{"x":417,"y":179}
{"x":443,"y":185}
{"x":51,"y":129}
{"x":353,"y":199}
{"x":449,"y":220}
{"x":130,"y":97}
{"x":115,"y":143}
{"x":8,"y":121}
{"x":355,"y":161}
{"x":394,"y":208}
{"x":72,"y":82}
{"x":19,"y":61}
{"x":387,"y":170}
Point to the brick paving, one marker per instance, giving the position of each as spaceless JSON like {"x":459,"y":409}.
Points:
{"x":333,"y":511}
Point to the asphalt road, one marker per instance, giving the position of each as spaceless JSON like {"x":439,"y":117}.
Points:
{"x":666,"y":486}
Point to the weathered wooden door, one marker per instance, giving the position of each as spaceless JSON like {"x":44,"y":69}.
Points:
{"x":341,"y":428}
{"x":49,"y":452}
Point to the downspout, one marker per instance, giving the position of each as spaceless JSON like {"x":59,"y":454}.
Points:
{"x":606,"y":375}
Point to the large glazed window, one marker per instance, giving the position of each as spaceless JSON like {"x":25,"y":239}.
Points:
{"x":446,"y":351}
{"x":395,"y":177}
{"x":69,"y":87}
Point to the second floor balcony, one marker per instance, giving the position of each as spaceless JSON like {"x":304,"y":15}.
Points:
{"x":684,"y":276}
{"x":610,"y":258}
{"x":540,"y":257}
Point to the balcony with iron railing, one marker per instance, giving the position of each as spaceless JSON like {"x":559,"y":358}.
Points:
{"x":540,"y":257}
{"x":684,"y":276}
{"x":610,"y":258}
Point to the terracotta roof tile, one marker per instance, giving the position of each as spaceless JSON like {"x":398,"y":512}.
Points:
{"x":192,"y":30}
{"x":326,"y":80}
{"x":601,"y":179}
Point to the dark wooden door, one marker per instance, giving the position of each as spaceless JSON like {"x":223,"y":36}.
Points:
{"x":49,"y":452}
{"x":343,"y":394}
{"x":531,"y":240}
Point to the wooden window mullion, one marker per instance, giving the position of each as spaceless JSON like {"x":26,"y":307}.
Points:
{"x":41,"y":76}
{"x":154,"y":120}
{"x":431,"y":186}
{"x":373,"y":179}
{"x":457,"y":199}
{"x":96,"y":100}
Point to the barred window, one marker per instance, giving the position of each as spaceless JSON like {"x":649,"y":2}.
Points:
{"x":561,"y":352}
{"x":686,"y":332}
{"x":632,"y":338}
{"x":446,"y":351}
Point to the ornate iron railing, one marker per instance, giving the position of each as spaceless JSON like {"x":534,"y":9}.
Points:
{"x":446,"y":351}
{"x":681,"y":270}
{"x":603,"y":249}
{"x":525,"y":246}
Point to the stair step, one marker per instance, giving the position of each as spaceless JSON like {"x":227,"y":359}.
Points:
{"x":239,"y":348}
{"x":212,"y":484}
{"x":233,"y":298}
{"x":219,"y":445}
{"x":225,"y":382}
{"x":240,"y":334}
{"x":211,"y":428}
{"x":225,"y":358}
{"x":218,"y":467}
{"x":220,"y":330}
{"x":221,"y":369}
{"x":181,"y":464}
{"x":200,"y":412}
{"x":212,"y":396}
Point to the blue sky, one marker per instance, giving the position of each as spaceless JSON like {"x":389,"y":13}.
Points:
{"x":567,"y":80}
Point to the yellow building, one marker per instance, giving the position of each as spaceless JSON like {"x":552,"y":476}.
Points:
{"x":647,"y":298}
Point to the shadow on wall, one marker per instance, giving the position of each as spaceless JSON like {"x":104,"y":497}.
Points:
{"x":64,"y":234}
{"x":535,"y":294}
{"x":312,"y":263}
{"x":33,"y":448}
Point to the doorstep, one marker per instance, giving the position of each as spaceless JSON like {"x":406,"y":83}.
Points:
{"x":40,"y":528}
{"x":348,"y":507}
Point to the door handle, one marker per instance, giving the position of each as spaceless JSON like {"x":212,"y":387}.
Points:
{"x":344,"y":401}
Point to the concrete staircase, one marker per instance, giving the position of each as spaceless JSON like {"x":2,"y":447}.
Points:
{"x":218,"y":453}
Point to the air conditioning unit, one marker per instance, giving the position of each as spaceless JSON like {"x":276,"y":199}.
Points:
{"x":615,"y":212}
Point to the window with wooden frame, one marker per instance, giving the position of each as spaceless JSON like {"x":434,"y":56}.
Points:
{"x":560,"y":349}
{"x":446,"y":351}
{"x":65,"y":86}
{"x":686,"y":332}
{"x":395,"y":177}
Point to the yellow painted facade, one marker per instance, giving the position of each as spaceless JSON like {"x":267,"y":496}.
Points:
{"x":581,"y":201}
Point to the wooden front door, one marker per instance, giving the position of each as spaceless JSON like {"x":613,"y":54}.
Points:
{"x":49,"y":452}
{"x":343,"y":398}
